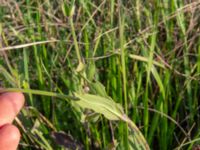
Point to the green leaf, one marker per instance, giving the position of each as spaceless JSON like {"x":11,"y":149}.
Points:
{"x":112,"y":111}
{"x":7,"y":76}
{"x":158,"y":80}
{"x":93,"y":117}
{"x":68,"y":9}
{"x":91,"y":70}
{"x":98,"y":89}
{"x":105,"y":106}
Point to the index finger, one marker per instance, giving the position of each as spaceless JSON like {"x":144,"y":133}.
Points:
{"x":10,"y":105}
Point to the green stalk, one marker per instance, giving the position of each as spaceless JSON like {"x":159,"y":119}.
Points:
{"x":37,"y":92}
{"x":123,"y":61}
{"x":26,"y":72}
{"x":123,"y":65}
{"x":81,"y":64}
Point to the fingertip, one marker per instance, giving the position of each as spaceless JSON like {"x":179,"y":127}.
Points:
{"x":17,"y":98}
{"x":10,"y":105}
{"x":9,"y":137}
{"x":14,"y":134}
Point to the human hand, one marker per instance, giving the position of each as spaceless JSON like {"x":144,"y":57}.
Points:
{"x":10,"y":105}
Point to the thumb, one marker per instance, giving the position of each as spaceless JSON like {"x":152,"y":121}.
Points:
{"x":9,"y":137}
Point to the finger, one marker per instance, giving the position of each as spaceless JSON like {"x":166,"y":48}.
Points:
{"x":9,"y":137}
{"x":10,"y":105}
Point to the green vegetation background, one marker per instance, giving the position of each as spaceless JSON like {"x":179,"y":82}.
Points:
{"x":146,"y":53}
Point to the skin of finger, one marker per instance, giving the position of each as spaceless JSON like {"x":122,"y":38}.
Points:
{"x":10,"y":105}
{"x":9,"y":137}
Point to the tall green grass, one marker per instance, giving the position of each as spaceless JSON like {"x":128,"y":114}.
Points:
{"x":145,"y":54}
